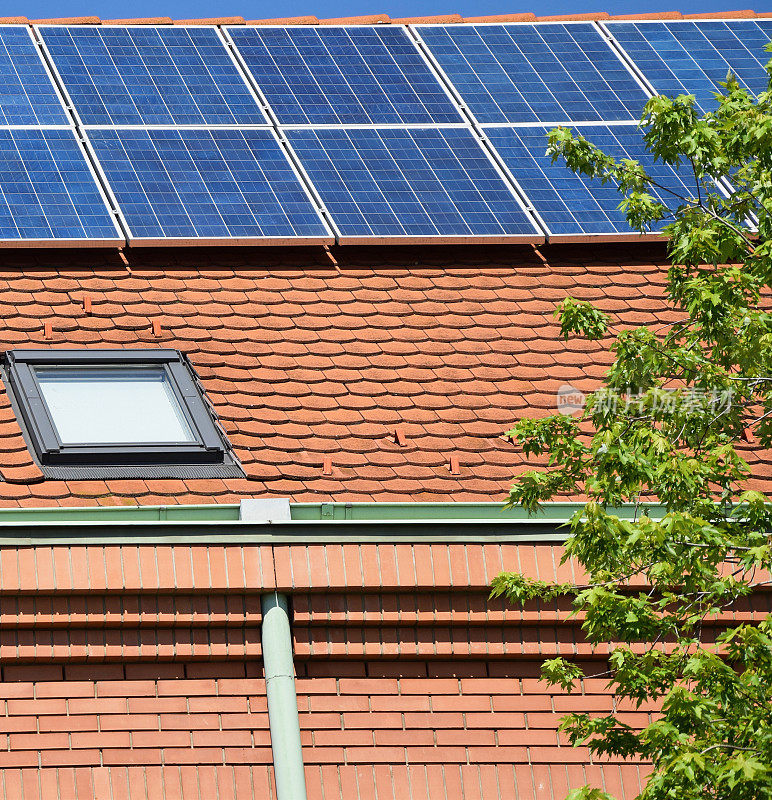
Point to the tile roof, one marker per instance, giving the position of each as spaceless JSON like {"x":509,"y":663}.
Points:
{"x":379,"y":19}
{"x":390,"y":374}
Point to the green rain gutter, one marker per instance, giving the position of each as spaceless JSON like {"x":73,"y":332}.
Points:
{"x":307,"y":523}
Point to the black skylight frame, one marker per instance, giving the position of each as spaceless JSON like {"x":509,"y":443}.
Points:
{"x":208,"y":455}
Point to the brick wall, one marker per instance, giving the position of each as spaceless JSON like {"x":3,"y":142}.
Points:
{"x":440,"y":729}
{"x":122,"y":730}
{"x":134,"y":673}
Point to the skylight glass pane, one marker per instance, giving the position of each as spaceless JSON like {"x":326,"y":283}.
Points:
{"x":104,"y":405}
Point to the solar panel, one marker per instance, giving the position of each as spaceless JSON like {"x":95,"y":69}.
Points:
{"x":145,"y":75}
{"x":205,"y":184}
{"x":420,"y":182}
{"x":571,"y":204}
{"x":27,"y":95}
{"x":686,"y":57}
{"x":343,"y":75}
{"x":535,"y":73}
{"x":47,"y":190}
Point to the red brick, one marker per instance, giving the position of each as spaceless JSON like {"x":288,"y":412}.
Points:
{"x":100,"y":739}
{"x":335,"y":703}
{"x":65,"y":689}
{"x":159,"y":705}
{"x":481,"y":720}
{"x":190,"y":722}
{"x":69,"y":723}
{"x":516,"y":702}
{"x":530,"y":738}
{"x":238,"y":686}
{"x":316,"y":685}
{"x":38,"y":741}
{"x":465,"y":738}
{"x":11,"y":760}
{"x":490,"y":686}
{"x":432,"y":720}
{"x":412,"y":703}
{"x":203,"y":705}
{"x":186,"y":688}
{"x":126,"y":689}
{"x":430,"y":686}
{"x":461,"y":703}
{"x":375,"y":755}
{"x":403,"y":738}
{"x":435,"y":755}
{"x":345,"y":738}
{"x":102,"y":705}
{"x":578,"y":702}
{"x":37,"y":707}
{"x":69,"y":758}
{"x":18,"y":724}
{"x":129,"y":757}
{"x":17,"y":690}
{"x":372,"y":720}
{"x":499,"y":755}
{"x":324,"y":755}
{"x":368,"y":686}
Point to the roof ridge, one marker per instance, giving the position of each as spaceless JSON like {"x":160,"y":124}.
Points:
{"x":381,"y":19}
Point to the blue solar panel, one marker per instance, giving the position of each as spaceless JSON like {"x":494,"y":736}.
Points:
{"x":47,"y":190}
{"x":688,"y":57}
{"x":535,"y":73}
{"x":205,"y":184}
{"x":571,"y":204}
{"x":402,"y":182}
{"x":337,"y":75}
{"x":27,"y":95}
{"x":150,"y":76}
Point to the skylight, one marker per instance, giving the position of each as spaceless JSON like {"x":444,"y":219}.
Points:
{"x":124,"y":410}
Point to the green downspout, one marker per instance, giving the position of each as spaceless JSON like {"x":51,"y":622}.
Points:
{"x":282,"y":699}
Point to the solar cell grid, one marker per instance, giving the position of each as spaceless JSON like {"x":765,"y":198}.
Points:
{"x":572,"y":204}
{"x":343,"y":75}
{"x":685,"y":57}
{"x":422,"y":182}
{"x":27,"y":95}
{"x":518,"y":73}
{"x":122,"y":75}
{"x":205,"y":184}
{"x":47,"y":191}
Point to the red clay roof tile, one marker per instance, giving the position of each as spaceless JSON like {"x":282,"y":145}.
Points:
{"x":575,"y":17}
{"x":744,"y":14}
{"x":308,"y":20}
{"x":69,"y":21}
{"x":139,"y":21}
{"x":370,"y":19}
{"x":653,"y":15}
{"x":524,"y":17}
{"x":26,"y":474}
{"x":440,"y":19}
{"x":211,"y":21}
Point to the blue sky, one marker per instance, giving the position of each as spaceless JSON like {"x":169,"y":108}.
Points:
{"x":337,"y":8}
